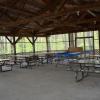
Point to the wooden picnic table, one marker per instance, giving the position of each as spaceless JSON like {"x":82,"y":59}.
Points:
{"x":85,"y":66}
{"x":4,"y":66}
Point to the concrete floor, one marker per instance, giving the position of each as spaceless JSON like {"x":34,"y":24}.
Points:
{"x":47,"y":83}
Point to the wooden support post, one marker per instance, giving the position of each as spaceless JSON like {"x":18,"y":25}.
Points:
{"x":13,"y":43}
{"x":71,"y":41}
{"x":14,"y":48}
{"x":32,"y":42}
{"x":75,"y":39}
{"x":93,"y":44}
{"x":47,"y":43}
{"x":99,"y":40}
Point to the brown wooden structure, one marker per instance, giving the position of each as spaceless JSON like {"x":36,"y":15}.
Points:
{"x":46,"y":17}
{"x":34,"y":18}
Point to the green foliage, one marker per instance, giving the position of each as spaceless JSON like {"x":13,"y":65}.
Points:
{"x":56,"y":42}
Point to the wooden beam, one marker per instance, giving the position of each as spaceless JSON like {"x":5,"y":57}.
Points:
{"x":18,"y":39}
{"x":47,"y":44}
{"x":9,"y":39}
{"x":75,"y":23}
{"x":91,"y":20}
{"x":91,"y":13}
{"x":70,"y":10}
{"x":60,"y":6}
{"x":16,"y":10}
{"x":29,"y":40}
{"x":81,"y":17}
{"x":84,"y":7}
{"x":32,"y":40}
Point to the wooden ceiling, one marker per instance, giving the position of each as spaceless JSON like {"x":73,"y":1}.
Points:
{"x":46,"y":17}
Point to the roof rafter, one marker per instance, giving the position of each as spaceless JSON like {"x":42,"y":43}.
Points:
{"x":19,"y":11}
